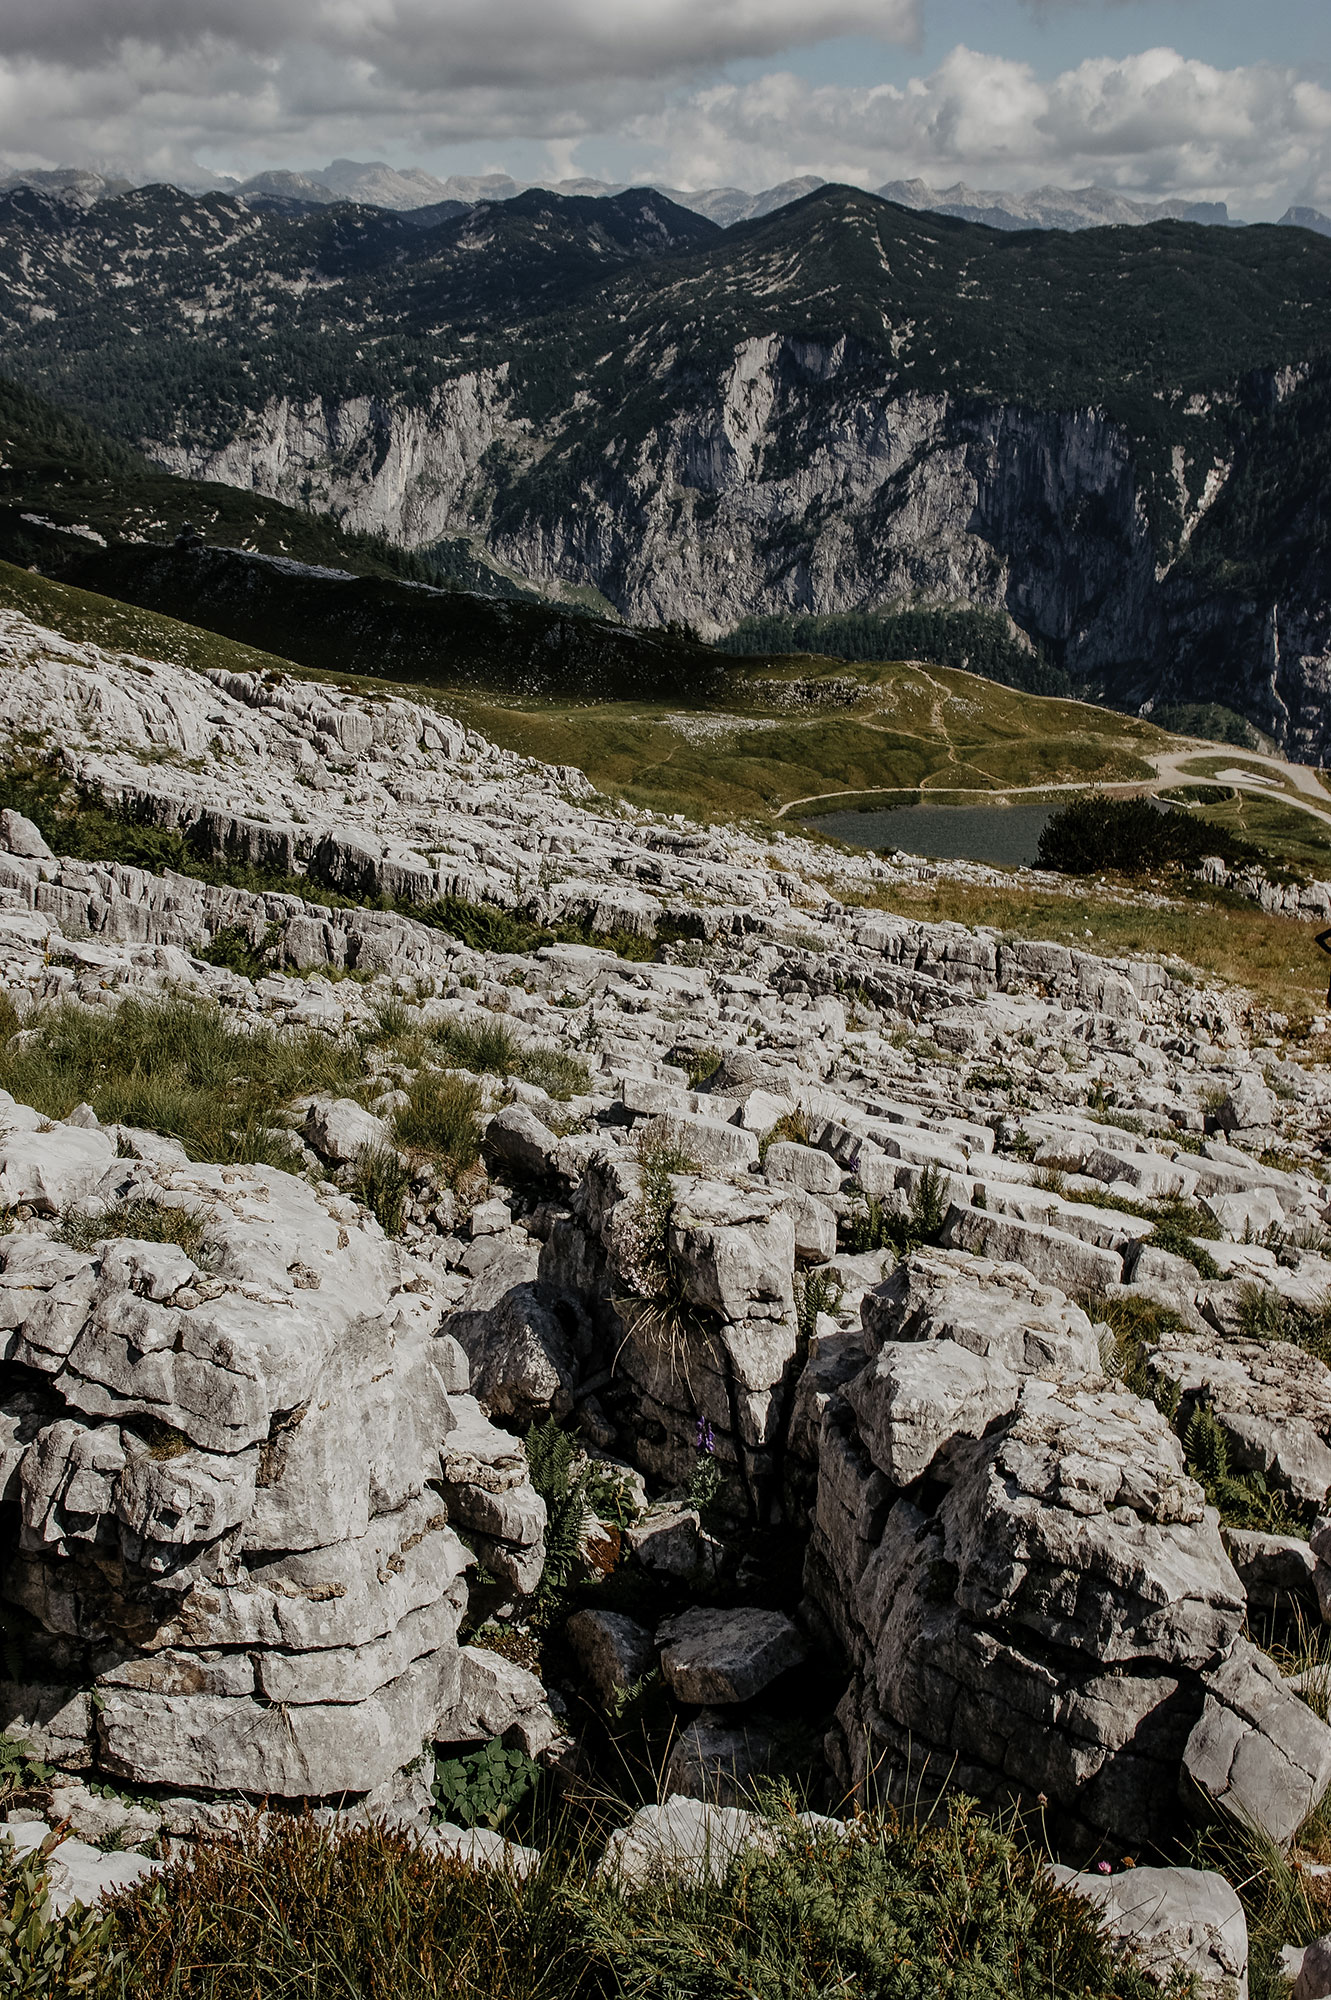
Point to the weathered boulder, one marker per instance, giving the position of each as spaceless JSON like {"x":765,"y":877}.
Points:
{"x":1257,"y":1752}
{"x":339,"y":1129}
{"x":716,"y":1656}
{"x":613,"y":1651}
{"x":1043,"y":1627}
{"x":1172,"y":1918}
{"x":77,"y":1871}
{"x":682,"y":1837}
{"x":522,"y":1360}
{"x":231,"y":1547}
{"x":995,"y":1310}
{"x":915,"y":1397}
{"x":517,"y":1137}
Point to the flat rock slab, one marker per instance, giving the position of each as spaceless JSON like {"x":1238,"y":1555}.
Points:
{"x":1186,"y":1917}
{"x":717,"y":1657}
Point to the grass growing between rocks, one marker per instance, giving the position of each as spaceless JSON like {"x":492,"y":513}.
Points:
{"x":179,"y":1068}
{"x":485,"y":1048}
{"x":140,"y":1218}
{"x":1243,"y":1498}
{"x":1273,"y":957}
{"x":887,"y":1910}
{"x":442,"y":1121}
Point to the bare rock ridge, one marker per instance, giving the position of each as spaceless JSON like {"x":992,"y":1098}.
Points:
{"x":829,"y":1201}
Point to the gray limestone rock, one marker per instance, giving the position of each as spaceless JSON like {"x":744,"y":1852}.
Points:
{"x":718,"y":1656}
{"x":1050,"y":1256}
{"x":517,"y":1137}
{"x":613,"y":1651}
{"x":340,"y":1129}
{"x":916,"y":1397}
{"x":996,"y":1311}
{"x":685,"y":1837}
{"x":1258,"y":1752}
{"x":1173,"y":1918}
{"x":713,"y":1758}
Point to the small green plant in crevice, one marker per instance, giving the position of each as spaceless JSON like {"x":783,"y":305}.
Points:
{"x":1243,"y":1498}
{"x":702,"y":1065}
{"x":816,"y":1292}
{"x":1173,"y":1238}
{"x":18,"y":1767}
{"x":45,"y":1955}
{"x":705,"y":1481}
{"x":791,"y":1127}
{"x":655,"y":1305}
{"x":140,"y":1217}
{"x":1136,"y":1325}
{"x":566,"y":1488}
{"x":484,"y":1787}
{"x":382,"y":1181}
{"x":236,"y":948}
{"x":874,"y":1225}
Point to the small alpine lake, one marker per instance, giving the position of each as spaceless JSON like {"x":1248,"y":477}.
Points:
{"x":1005,"y":836}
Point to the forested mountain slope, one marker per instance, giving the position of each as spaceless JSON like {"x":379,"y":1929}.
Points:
{"x":1114,"y":436}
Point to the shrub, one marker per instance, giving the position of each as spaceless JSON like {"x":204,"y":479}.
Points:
{"x":484,"y":1786}
{"x":236,"y":948}
{"x":44,"y":1956}
{"x":382,"y":1183}
{"x":442,"y":1119}
{"x":143,"y":1218}
{"x":1094,"y":833}
{"x":554,"y":1071}
{"x":884,"y":1908}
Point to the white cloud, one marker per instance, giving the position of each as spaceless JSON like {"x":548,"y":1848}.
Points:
{"x":153,"y":85}
{"x":129,"y":79}
{"x":1153,"y":123}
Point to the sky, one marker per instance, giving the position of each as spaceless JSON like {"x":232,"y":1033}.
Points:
{"x":1224,"y":100}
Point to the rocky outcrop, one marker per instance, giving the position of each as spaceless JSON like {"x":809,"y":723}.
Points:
{"x":1033,"y":1592}
{"x":233,"y":1472}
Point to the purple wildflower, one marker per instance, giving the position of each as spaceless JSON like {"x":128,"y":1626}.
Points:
{"x":706,"y":1442}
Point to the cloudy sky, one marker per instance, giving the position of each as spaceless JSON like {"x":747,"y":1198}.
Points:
{"x":1215,"y":99}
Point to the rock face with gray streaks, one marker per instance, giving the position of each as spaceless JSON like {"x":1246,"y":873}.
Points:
{"x":234,"y":1553}
{"x":1030,"y":1586}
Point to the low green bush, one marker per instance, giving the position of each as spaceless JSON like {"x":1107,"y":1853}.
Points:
{"x":883,"y":1909}
{"x":484,"y":1787}
{"x":1095,"y":834}
{"x":44,"y":1956}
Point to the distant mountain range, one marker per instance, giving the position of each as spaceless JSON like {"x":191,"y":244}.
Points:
{"x":1119,"y":440}
{"x":412,"y":191}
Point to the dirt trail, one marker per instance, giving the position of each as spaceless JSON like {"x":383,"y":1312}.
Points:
{"x":1169,"y":768}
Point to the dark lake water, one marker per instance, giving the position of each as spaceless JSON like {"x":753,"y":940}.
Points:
{"x":1006,"y":836}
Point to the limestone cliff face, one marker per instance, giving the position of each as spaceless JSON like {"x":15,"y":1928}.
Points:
{"x":800,"y":477}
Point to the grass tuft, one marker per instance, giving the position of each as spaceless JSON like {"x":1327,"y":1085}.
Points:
{"x":140,"y":1218}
